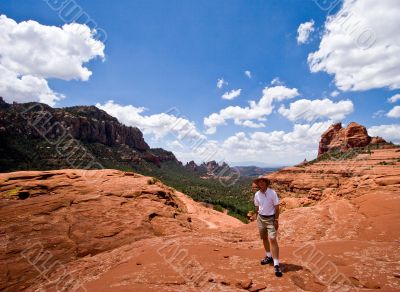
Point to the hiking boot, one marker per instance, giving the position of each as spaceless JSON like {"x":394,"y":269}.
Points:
{"x":278,"y":271}
{"x":267,"y":260}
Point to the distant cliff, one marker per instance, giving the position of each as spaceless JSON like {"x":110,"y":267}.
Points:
{"x":85,"y":123}
{"x":37,"y":136}
{"x":213,"y":168}
{"x":210,"y":169}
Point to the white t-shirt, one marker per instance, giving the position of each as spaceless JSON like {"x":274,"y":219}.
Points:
{"x":266,"y":202}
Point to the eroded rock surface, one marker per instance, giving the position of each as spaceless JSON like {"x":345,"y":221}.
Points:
{"x":327,"y":180}
{"x":114,"y":231}
{"x":72,"y":214}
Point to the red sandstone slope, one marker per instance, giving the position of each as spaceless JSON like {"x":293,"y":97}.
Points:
{"x":339,"y":245}
{"x":52,"y":218}
{"x":346,"y":240}
{"x":106,"y":230}
{"x":123,"y":232}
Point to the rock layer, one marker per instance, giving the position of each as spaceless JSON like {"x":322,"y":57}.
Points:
{"x":311,"y":183}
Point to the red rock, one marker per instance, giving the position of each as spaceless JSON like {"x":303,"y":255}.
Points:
{"x":378,"y":140}
{"x":57,"y":217}
{"x":225,"y":282}
{"x":244,"y":284}
{"x":257,"y":287}
{"x":388,"y":180}
{"x":192,"y":165}
{"x":337,"y":137}
{"x":117,"y":231}
{"x":329,"y":179}
{"x":330,"y":138}
{"x":71,"y":217}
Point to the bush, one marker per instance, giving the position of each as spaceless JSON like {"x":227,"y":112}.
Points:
{"x":152,"y":181}
{"x":337,"y":155}
{"x":386,"y":163}
{"x":218,"y":208}
{"x":237,"y":199}
{"x":238,"y":216}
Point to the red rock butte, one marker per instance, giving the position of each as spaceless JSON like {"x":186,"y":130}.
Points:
{"x":343,"y":139}
{"x":108,"y":230}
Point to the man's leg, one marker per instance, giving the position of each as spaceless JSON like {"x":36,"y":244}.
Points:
{"x":264,"y":237}
{"x":273,"y":242}
{"x":266,"y":245}
{"x":275,"y":255}
{"x":268,"y":256}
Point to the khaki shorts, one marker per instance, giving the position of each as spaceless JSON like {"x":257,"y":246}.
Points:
{"x":266,"y":227}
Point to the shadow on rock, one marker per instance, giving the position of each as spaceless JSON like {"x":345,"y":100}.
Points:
{"x":290,"y":267}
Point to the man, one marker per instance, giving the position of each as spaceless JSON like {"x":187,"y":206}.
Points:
{"x":267,"y":203}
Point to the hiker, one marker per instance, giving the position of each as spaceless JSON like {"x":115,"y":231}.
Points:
{"x":267,"y":202}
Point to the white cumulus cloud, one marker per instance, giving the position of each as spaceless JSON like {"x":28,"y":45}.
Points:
{"x":361,"y":46}
{"x":378,"y":114}
{"x":14,"y":87}
{"x":175,"y":144}
{"x":304,"y":30}
{"x":229,"y":95}
{"x":394,"y":112}
{"x":394,"y":98}
{"x":387,"y":132}
{"x":335,"y":93}
{"x":311,"y":110}
{"x":255,"y":111}
{"x":275,"y":147}
{"x":277,"y":81}
{"x":158,"y":125}
{"x":221,"y":82}
{"x":31,"y":53}
{"x":249,"y":124}
{"x":248,"y":74}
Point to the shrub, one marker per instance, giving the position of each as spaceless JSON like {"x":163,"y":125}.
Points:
{"x":218,"y":208}
{"x":238,"y":216}
{"x":152,"y":181}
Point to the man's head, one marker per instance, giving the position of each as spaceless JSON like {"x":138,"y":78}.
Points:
{"x":263,"y":183}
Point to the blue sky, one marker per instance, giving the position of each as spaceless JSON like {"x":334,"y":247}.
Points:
{"x":169,"y":54}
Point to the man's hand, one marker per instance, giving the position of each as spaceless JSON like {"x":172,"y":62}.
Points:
{"x":276,"y":224}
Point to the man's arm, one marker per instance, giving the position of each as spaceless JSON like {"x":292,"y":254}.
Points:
{"x":256,"y":203}
{"x":276,"y":222}
{"x":277,"y":212}
{"x":276,"y":205}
